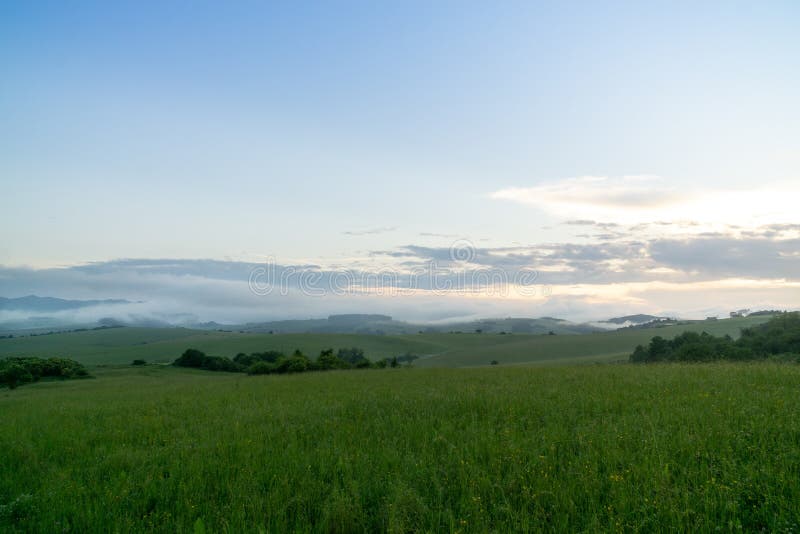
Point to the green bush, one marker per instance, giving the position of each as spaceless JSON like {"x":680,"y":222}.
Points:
{"x":191,"y":358}
{"x":269,"y":362}
{"x":18,"y":371}
{"x":247,"y":360}
{"x":220,"y":363}
{"x":297,"y":363}
{"x":779,"y":335}
{"x":14,"y":375}
{"x":352,"y":356}
{"x":198,"y":360}
{"x":328,"y":360}
{"x":261,"y":368}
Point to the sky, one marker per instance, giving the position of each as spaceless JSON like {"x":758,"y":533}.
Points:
{"x":635,"y":157}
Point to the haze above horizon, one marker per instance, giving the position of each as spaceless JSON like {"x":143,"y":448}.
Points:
{"x":596,"y":159}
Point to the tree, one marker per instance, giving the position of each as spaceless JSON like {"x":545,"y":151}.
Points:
{"x":297,"y":363}
{"x":659,"y":347}
{"x":191,"y":358}
{"x":777,"y":338}
{"x":327,"y":360}
{"x":352,"y":356}
{"x":640,"y":355}
{"x":14,"y":375}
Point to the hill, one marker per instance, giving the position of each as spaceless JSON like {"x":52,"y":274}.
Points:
{"x":123,"y":345}
{"x":34,"y":304}
{"x":639,"y":318}
{"x":384,"y":324}
{"x":545,"y":349}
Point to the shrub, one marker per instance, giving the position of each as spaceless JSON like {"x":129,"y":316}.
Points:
{"x":259,"y":363}
{"x":779,"y":335}
{"x":295,"y":364}
{"x":198,"y":360}
{"x":352,"y":356}
{"x":363,"y":364}
{"x":328,"y":360}
{"x":191,"y":358}
{"x":14,"y":375}
{"x":261,"y":368}
{"x":220,"y":363}
{"x":17,"y":371}
{"x":247,"y":360}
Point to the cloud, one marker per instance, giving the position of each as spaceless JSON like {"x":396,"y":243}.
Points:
{"x":689,"y":258}
{"x":434,"y":234}
{"x":601,"y":194}
{"x":418,"y":282}
{"x":633,"y":200}
{"x":371,"y":231}
{"x":722,"y":256}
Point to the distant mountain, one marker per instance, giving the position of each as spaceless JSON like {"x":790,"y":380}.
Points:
{"x":334,"y":324}
{"x":48,"y":314}
{"x":519,"y":325}
{"x":639,"y":318}
{"x":386,"y":325}
{"x":35,"y":304}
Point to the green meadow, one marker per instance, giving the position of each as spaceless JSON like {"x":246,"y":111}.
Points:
{"x":541,"y":442}
{"x":163,"y":345}
{"x":691,"y":448}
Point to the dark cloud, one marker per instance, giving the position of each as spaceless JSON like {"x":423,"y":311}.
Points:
{"x":717,"y":256}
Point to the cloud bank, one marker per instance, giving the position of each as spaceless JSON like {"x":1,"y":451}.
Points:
{"x":629,"y":272}
{"x":638,"y":199}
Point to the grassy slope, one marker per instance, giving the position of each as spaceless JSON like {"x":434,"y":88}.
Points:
{"x":604,"y":346}
{"x":122,"y":345}
{"x":682,"y":448}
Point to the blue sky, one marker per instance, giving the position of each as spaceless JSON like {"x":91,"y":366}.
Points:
{"x":333,"y":133}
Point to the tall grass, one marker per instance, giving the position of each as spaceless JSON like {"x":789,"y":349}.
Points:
{"x":678,"y":447}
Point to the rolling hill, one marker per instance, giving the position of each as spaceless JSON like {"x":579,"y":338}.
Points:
{"x":123,"y":345}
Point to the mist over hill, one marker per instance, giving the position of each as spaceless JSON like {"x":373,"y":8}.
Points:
{"x":384,"y":324}
{"x":48,"y":313}
{"x":35,"y":304}
{"x":44,"y":314}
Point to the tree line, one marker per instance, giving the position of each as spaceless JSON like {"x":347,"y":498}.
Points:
{"x":276,"y":362}
{"x":18,"y":371}
{"x":777,"y":338}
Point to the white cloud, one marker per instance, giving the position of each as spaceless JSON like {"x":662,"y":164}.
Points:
{"x":639,"y":199}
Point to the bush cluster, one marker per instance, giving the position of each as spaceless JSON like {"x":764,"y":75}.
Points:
{"x":779,"y":336}
{"x":17,"y":371}
{"x":275,"y":362}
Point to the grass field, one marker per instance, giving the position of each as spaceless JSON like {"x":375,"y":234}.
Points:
{"x":123,"y":345}
{"x":472,"y":350}
{"x":696,"y":448}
